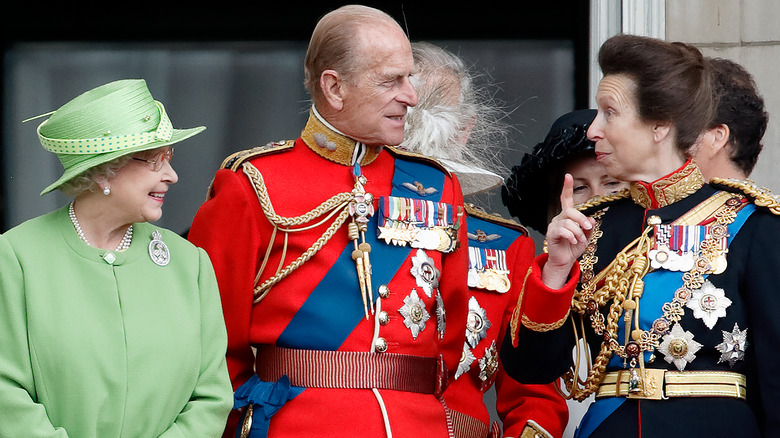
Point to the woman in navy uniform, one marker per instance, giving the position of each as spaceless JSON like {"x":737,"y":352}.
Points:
{"x":674,"y":286}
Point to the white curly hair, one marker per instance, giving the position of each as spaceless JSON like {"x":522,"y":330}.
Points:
{"x":454,"y":119}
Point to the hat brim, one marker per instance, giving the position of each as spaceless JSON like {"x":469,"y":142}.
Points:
{"x":473,"y":180}
{"x":98,"y":159}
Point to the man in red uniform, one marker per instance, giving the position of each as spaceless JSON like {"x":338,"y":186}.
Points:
{"x":340,"y":260}
{"x":459,"y":125}
{"x":500,"y":256}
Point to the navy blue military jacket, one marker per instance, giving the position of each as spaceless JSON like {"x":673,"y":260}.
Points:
{"x":749,"y":284}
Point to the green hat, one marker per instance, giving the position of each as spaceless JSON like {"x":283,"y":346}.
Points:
{"x":105,"y":123}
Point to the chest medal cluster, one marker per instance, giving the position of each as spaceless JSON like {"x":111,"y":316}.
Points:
{"x":425,"y":226}
{"x":488,"y":271}
{"x":418,"y":223}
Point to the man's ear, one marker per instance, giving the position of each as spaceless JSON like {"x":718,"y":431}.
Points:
{"x":720,"y":137}
{"x":331,"y":87}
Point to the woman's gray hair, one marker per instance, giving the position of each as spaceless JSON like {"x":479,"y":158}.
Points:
{"x":454,"y":118}
{"x":87,"y":180}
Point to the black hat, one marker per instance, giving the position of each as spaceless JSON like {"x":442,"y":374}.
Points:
{"x":527,"y":192}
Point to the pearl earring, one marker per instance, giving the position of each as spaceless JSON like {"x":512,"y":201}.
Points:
{"x":106,"y":190}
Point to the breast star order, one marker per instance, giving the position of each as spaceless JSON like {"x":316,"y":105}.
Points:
{"x":733,"y":346}
{"x":679,"y":347}
{"x":708,"y":303}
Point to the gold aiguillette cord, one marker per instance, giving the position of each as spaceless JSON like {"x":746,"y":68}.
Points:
{"x":361,"y":209}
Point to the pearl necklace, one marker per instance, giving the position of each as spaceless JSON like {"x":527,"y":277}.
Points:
{"x":123,"y":244}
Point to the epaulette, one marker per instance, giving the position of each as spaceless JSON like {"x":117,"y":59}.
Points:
{"x":478,"y":212}
{"x":595,"y":204}
{"x":761,"y":196}
{"x":417,"y":157}
{"x":233,"y":161}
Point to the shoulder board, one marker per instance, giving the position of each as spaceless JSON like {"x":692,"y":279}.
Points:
{"x":474,"y":211}
{"x":601,"y":202}
{"x":761,"y":196}
{"x":397,"y":151}
{"x":233,"y":162}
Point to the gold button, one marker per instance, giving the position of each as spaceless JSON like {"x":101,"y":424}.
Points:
{"x":654,"y":220}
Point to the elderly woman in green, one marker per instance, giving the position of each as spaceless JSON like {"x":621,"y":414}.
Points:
{"x":111,"y":326}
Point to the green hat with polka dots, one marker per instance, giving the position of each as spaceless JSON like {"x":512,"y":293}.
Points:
{"x":105,"y":123}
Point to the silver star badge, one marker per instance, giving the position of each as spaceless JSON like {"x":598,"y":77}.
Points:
{"x":679,"y":347}
{"x":466,"y":359}
{"x":708,"y":303}
{"x":488,"y":364}
{"x":425,"y":272}
{"x":733,"y":346}
{"x":414,"y":313}
{"x":477,"y":323}
{"x":441,"y":316}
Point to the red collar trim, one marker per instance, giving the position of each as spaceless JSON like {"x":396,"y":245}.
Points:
{"x":668,"y":189}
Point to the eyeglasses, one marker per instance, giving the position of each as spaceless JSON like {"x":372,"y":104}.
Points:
{"x":158,"y":160}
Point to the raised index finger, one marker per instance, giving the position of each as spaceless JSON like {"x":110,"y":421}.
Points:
{"x":567,"y":194}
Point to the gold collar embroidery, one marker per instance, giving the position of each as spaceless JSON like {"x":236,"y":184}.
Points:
{"x":330,"y":144}
{"x":669,"y":189}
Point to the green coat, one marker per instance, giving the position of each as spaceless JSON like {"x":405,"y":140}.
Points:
{"x":91,"y":349}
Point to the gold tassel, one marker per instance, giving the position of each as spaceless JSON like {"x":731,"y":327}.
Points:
{"x":360,"y":264}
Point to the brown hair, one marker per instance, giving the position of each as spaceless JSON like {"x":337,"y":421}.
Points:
{"x":741,"y":108}
{"x":672,"y":80}
{"x":334,"y":46}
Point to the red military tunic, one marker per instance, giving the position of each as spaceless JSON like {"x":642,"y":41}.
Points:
{"x":500,"y":255}
{"x":318,"y":306}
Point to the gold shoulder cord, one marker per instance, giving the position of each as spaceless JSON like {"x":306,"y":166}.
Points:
{"x":338,"y":204}
{"x":761,"y":196}
{"x":598,"y":200}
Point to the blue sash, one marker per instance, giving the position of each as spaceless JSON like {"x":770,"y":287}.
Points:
{"x":266,"y":399}
{"x":663,"y":284}
{"x":334,"y":309}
